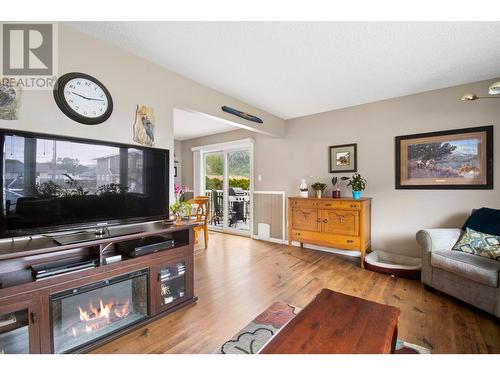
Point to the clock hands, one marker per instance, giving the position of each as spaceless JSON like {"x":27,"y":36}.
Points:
{"x":84,"y":97}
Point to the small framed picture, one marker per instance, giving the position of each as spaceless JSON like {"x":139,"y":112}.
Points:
{"x":175,"y":171}
{"x":343,"y":158}
{"x":450,"y":159}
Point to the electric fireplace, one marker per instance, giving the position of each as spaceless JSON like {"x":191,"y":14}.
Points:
{"x":82,"y":315}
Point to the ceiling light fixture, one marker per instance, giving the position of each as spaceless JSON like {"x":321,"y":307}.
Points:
{"x":494,"y":89}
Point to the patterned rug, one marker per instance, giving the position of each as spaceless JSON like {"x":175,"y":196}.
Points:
{"x":256,"y":334}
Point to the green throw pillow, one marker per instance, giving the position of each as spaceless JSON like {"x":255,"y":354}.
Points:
{"x":482,"y":244}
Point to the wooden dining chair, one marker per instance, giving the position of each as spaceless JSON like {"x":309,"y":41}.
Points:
{"x":199,"y":214}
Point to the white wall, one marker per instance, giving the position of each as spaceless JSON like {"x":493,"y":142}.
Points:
{"x":397,"y":214}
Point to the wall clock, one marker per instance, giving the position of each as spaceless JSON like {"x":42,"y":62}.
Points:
{"x":83,"y":98}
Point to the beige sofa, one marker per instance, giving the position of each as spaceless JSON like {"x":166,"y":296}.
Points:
{"x":470,"y":278}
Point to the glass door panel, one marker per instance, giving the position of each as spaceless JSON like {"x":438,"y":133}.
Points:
{"x":238,"y":194}
{"x":172,"y":282}
{"x":214,"y":187}
{"x":14,"y":332}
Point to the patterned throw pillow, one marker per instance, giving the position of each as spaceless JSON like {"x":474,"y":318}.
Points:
{"x":478,"y":243}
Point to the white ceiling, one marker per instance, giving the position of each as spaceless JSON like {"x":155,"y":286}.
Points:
{"x":189,"y":124}
{"x":293,"y":69}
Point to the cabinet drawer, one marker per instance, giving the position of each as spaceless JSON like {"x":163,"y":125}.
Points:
{"x":323,"y":239}
{"x":306,"y":219}
{"x":346,"y":242}
{"x":340,"y":222}
{"x":341,"y":205}
{"x":305,"y":236}
{"x":304,"y":203}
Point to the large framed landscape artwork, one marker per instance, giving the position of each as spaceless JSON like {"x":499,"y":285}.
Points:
{"x":451,"y":159}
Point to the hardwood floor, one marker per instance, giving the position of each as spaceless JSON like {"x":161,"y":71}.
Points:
{"x":237,"y":278}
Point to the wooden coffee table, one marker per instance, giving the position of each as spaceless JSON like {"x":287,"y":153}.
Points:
{"x":336,"y":323}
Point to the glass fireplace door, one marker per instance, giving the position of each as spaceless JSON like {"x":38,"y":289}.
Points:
{"x":88,"y":313}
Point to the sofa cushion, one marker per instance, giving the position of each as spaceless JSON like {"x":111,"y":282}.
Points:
{"x":486,"y":220}
{"x":478,"y":269}
{"x":478,"y":243}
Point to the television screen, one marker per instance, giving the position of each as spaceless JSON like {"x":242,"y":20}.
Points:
{"x":54,"y":183}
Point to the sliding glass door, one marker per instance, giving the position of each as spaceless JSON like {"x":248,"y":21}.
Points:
{"x":227,"y":182}
{"x":214,"y":166}
{"x":238,"y":191}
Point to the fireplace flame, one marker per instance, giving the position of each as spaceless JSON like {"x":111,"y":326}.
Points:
{"x":95,"y":318}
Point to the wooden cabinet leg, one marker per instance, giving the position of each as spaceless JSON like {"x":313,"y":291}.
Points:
{"x":302,"y":244}
{"x":362,"y":259}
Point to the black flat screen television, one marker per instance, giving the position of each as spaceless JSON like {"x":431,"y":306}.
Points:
{"x":52,"y":183}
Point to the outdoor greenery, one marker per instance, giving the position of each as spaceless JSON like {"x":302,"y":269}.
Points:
{"x":215,"y":183}
{"x":238,"y":164}
{"x":238,"y":168}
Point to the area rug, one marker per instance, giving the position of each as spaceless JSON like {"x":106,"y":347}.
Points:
{"x":256,"y":334}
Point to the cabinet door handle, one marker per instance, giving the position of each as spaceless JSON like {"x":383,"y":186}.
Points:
{"x":328,"y":204}
{"x":33,"y":317}
{"x":297,"y":234}
{"x":318,"y":220}
{"x":325,"y":221}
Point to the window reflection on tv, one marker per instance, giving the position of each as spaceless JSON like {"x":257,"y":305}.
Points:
{"x":56,"y":183}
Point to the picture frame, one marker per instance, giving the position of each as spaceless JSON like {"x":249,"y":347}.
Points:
{"x":175,"y":171}
{"x":343,"y":158}
{"x":449,"y":159}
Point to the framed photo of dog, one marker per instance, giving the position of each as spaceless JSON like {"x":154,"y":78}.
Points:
{"x":451,"y":159}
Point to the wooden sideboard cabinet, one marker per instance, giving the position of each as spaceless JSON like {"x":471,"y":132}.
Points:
{"x":342,"y":223}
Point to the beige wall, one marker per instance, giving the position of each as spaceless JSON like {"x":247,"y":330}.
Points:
{"x":397,"y":214}
{"x":131,"y":80}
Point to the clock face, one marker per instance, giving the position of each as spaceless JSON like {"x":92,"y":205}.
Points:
{"x":85,"y":97}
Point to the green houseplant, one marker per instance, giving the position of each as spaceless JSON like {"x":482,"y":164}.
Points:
{"x":318,"y":188}
{"x":358,"y":184}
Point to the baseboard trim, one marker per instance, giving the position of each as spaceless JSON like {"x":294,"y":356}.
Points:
{"x":351,"y":253}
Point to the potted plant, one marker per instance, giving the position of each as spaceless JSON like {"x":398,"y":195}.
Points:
{"x":318,"y":188}
{"x":338,"y":184}
{"x":179,"y":207}
{"x":304,"y":190}
{"x":358,"y":184}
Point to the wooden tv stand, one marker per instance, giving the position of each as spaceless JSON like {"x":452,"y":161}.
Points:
{"x":32,"y":300}
{"x":342,"y":223}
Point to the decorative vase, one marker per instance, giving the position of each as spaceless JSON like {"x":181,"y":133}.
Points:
{"x":356,"y":194}
{"x":178,"y":218}
{"x":304,"y":191}
{"x":319,"y":193}
{"x":336,"y":194}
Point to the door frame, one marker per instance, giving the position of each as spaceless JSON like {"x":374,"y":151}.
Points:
{"x":199,"y":153}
